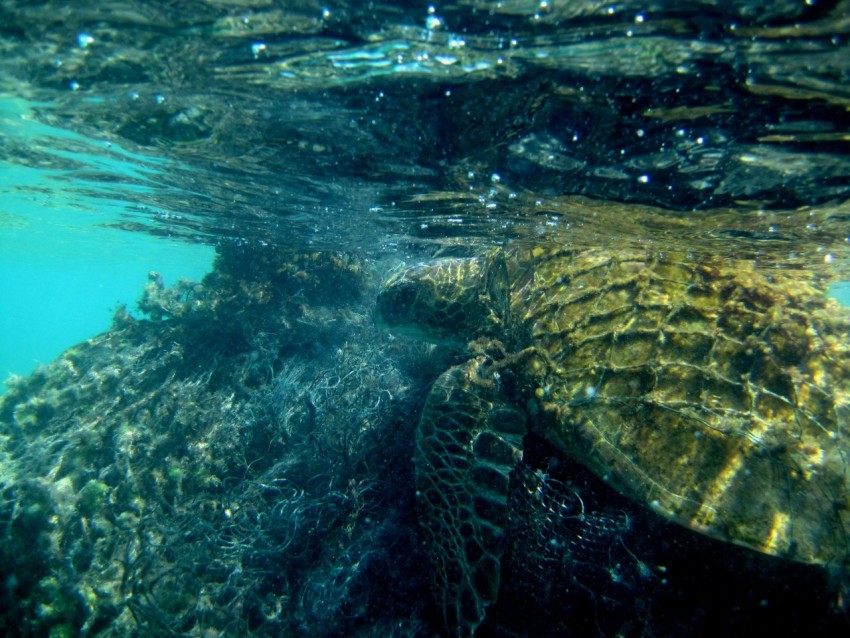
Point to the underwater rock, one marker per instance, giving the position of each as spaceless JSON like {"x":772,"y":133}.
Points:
{"x":207,"y":468}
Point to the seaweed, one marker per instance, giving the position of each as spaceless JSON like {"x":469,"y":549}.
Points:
{"x":232,"y":463}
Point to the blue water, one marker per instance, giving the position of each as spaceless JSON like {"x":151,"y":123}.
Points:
{"x":63,"y":272}
{"x":245,"y":463}
{"x":842,"y":293}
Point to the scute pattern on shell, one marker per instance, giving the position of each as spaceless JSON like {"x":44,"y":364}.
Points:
{"x":708,"y":390}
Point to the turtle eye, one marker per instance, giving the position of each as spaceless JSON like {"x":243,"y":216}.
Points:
{"x":396,"y":305}
{"x":404,"y":299}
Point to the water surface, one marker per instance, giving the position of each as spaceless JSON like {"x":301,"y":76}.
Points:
{"x":314,"y":148}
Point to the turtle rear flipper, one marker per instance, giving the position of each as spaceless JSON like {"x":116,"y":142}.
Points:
{"x":469,"y":440}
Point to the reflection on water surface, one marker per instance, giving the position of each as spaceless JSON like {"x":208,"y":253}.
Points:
{"x":237,"y":461}
{"x":279,"y":113}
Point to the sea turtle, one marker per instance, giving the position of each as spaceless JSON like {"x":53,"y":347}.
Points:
{"x":713,"y":392}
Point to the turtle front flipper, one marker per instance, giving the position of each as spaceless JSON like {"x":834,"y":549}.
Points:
{"x":468,"y":442}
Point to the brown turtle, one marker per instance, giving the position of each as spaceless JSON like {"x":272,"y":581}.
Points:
{"x":713,"y":393}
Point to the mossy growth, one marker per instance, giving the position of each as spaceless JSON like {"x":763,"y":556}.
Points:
{"x":34,"y":413}
{"x":56,"y":605}
{"x":197,"y":471}
{"x":92,"y":498}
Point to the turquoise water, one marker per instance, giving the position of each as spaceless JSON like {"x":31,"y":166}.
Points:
{"x":249,"y":456}
{"x":63,"y":270}
{"x":841,"y":292}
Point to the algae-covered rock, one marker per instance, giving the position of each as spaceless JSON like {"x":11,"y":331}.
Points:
{"x":197,"y":470}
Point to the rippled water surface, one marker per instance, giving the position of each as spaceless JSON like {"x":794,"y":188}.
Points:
{"x":341,"y":124}
{"x":138,"y":136}
{"x":389,"y":128}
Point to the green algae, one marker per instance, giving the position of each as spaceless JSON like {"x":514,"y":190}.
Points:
{"x":235,"y":427}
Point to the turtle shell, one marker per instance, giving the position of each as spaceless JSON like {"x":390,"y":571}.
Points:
{"x":709,"y":391}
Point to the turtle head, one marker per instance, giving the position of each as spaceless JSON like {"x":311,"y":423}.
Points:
{"x":450,"y":299}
